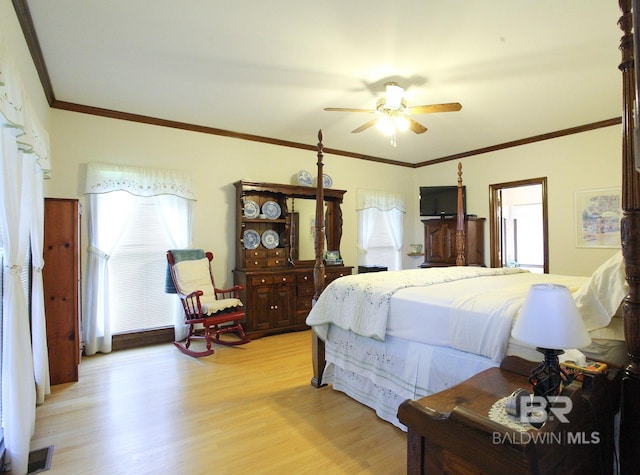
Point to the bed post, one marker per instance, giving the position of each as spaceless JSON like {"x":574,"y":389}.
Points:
{"x":317,"y":345}
{"x":460,"y":261}
{"x":630,"y":237}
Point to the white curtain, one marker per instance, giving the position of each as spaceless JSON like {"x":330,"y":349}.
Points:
{"x":96,"y":326}
{"x":38,"y":321}
{"x":369,"y":205}
{"x":176,"y":209}
{"x":109,"y":187}
{"x":24,"y":159}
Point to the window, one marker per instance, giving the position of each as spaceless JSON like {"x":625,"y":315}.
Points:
{"x":135,"y":216}
{"x":380,"y":221}
{"x":138,"y":266}
{"x":382,"y":249}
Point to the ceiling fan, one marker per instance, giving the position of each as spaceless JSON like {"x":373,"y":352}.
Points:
{"x":393,"y":114}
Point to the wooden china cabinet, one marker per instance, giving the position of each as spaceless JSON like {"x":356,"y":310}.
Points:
{"x":275,"y":252}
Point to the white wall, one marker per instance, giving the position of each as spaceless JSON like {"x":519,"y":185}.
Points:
{"x":577,"y":162}
{"x":77,"y":139}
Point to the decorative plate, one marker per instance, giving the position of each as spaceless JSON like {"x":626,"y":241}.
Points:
{"x":251,"y":209}
{"x":251,"y":239}
{"x":270,"y":239}
{"x":271,"y":210}
{"x":326,"y":181}
{"x":304,"y":178}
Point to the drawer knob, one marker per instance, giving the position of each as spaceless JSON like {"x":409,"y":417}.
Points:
{"x":262,"y":279}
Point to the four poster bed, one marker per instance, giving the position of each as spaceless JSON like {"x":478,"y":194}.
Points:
{"x":386,"y":337}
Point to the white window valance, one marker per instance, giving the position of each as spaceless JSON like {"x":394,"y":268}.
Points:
{"x":17,"y":112}
{"x":382,"y":200}
{"x":106,"y":177}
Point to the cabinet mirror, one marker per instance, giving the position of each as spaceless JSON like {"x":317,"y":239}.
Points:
{"x":303,"y":221}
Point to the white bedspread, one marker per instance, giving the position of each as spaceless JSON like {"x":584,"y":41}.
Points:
{"x":480,"y":321}
{"x":360,"y":303}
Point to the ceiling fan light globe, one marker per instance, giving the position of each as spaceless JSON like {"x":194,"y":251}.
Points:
{"x":394,"y":100}
{"x":385,"y":125}
{"x":402,"y":123}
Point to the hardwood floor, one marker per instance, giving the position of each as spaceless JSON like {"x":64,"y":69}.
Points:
{"x":243,"y":410}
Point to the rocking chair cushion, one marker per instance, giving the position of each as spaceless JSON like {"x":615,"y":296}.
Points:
{"x":212,"y":305}
{"x":194,"y":275}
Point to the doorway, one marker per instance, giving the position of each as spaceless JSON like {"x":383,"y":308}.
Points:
{"x":518,"y":225}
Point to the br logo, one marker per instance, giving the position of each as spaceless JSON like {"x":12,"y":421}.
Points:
{"x":538,"y":409}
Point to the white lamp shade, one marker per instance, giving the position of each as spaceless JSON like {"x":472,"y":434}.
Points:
{"x":550,"y":319}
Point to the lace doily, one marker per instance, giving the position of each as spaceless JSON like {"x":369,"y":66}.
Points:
{"x":498,"y":413}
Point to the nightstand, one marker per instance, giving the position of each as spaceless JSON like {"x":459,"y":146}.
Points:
{"x":371,"y":268}
{"x":451,"y":431}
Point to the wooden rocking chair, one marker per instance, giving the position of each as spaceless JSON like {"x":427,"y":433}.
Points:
{"x":218,"y":311}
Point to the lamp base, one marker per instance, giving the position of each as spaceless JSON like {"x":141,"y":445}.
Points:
{"x":548,"y":377}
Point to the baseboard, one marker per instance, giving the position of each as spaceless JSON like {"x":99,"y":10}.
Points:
{"x":123,"y":341}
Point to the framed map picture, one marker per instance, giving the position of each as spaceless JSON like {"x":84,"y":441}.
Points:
{"x":598,"y":214}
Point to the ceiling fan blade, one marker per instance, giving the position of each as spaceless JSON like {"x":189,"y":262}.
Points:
{"x":448,"y":107}
{"x":416,"y":127}
{"x":365,"y":126}
{"x":345,"y":109}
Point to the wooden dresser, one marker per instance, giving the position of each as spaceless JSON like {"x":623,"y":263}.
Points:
{"x":451,"y":431}
{"x":440,"y":242}
{"x":61,"y":280}
{"x":275,"y":253}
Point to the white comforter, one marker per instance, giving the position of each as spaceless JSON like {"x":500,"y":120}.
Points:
{"x":480,"y":319}
{"x":360,"y":303}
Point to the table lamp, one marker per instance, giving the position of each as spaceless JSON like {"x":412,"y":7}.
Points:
{"x":550,"y":321}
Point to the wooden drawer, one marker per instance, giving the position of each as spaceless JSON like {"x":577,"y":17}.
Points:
{"x":276,"y":261}
{"x":304,"y":278}
{"x":283,"y":279}
{"x":330,"y":276}
{"x":262,"y":280}
{"x":254,"y":254}
{"x":259,"y":258}
{"x":277,"y":253}
{"x":256,"y":263}
{"x":269,"y":279}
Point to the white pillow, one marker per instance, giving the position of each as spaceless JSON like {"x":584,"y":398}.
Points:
{"x":194,"y":275}
{"x":599,"y":298}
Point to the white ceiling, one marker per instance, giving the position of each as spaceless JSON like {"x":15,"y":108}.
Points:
{"x":268,"y":68}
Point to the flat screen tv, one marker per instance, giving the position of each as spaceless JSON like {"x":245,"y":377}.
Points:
{"x":441,"y":200}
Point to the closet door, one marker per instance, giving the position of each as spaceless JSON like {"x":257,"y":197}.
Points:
{"x":61,"y":277}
